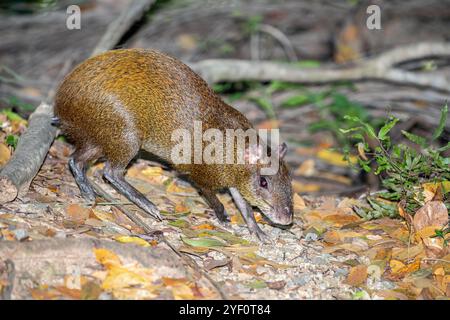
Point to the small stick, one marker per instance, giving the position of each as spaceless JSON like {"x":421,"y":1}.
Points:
{"x":191,"y":262}
{"x":133,"y":217}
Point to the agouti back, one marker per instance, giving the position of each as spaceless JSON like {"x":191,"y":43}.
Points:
{"x":121,"y":101}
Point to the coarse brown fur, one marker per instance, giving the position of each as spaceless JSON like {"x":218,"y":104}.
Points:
{"x":116,"y":103}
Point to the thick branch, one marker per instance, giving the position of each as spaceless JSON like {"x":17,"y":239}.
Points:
{"x":379,"y":68}
{"x":34,"y":144}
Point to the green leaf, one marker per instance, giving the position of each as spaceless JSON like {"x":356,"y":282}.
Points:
{"x":226,"y":236}
{"x":203,"y":242}
{"x":256,"y":284}
{"x":369,"y":129}
{"x":12,"y":140}
{"x":386,"y":128}
{"x":295,"y":101}
{"x":437,"y":133}
{"x":266,"y":105}
{"x":179,"y":223}
{"x":12,"y":116}
{"x":421,"y":141}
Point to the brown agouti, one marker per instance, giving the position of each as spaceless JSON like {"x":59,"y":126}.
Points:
{"x":121,"y":101}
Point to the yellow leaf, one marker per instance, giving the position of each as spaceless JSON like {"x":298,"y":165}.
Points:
{"x":361,"y":151}
{"x":299,"y":203}
{"x":396,"y":266}
{"x":426,"y":232}
{"x":5,"y":154}
{"x":152,"y":171}
{"x":302,"y":187}
{"x":204,"y":226}
{"x":136,"y":240}
{"x":107,"y":258}
{"x":431,"y":188}
{"x":174,"y":188}
{"x":119,"y":277}
{"x":335,"y":158}
{"x":180,"y":288}
{"x":439,"y":271}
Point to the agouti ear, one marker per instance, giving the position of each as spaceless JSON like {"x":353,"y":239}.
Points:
{"x":253,"y":153}
{"x":282,"y":150}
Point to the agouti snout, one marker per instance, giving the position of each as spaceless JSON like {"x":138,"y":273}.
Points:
{"x":121,"y":101}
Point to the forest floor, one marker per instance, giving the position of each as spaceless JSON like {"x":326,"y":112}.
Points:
{"x":329,"y":253}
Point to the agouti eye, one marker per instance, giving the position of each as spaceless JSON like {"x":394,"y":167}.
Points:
{"x":263,"y":182}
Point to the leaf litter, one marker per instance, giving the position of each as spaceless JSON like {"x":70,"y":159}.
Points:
{"x":329,"y":253}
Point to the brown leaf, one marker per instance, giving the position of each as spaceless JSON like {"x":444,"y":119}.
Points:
{"x":77,"y":213}
{"x":210,"y":263}
{"x":433,"y":213}
{"x":357,"y":275}
{"x":276,"y":285}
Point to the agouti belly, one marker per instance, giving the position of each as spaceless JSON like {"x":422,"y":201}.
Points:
{"x":116,"y":103}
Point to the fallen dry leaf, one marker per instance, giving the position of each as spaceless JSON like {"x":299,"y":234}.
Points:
{"x":299,"y":203}
{"x":357,"y":275}
{"x":307,"y":168}
{"x":433,"y":213}
{"x":77,"y":213}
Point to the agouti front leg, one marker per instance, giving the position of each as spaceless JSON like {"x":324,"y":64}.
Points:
{"x":247,"y":214}
{"x":115,"y":176}
{"x":215,"y":204}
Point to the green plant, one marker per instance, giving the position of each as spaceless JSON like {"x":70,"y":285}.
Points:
{"x":403,"y":168}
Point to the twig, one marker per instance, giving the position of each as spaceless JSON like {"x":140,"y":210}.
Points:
{"x":438,"y":260}
{"x":133,"y":217}
{"x":281,"y":38}
{"x":191,"y":262}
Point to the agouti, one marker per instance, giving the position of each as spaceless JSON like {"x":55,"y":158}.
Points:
{"x":114,"y":104}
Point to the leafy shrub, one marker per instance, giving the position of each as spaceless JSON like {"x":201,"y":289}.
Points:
{"x":403,"y":169}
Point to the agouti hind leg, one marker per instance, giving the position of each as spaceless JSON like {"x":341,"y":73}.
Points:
{"x":115,"y":176}
{"x":78,"y":169}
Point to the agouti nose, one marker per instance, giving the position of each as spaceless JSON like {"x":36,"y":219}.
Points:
{"x":287,"y":216}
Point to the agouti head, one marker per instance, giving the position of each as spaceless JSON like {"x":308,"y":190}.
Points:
{"x":121,"y":101}
{"x":271,"y":193}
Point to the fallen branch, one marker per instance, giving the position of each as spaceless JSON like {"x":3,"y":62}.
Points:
{"x":381,"y":68}
{"x":16,"y":176}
